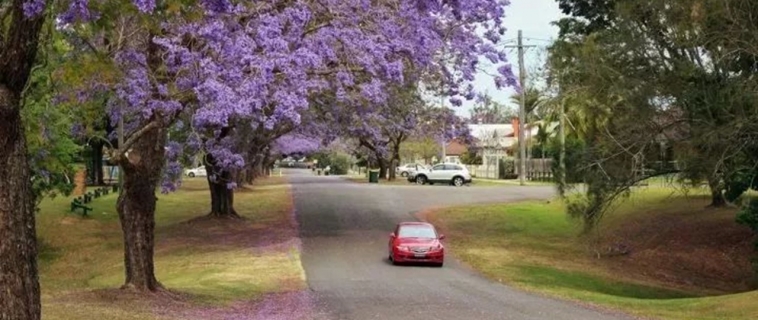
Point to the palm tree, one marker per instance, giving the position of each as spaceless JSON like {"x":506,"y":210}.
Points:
{"x":534,"y":100}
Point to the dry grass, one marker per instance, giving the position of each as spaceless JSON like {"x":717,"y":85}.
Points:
{"x":204,"y":263}
{"x":685,"y":261}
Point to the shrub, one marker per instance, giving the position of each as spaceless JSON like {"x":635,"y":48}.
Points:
{"x":507,"y":169}
{"x":574,"y":158}
{"x":339,"y":164}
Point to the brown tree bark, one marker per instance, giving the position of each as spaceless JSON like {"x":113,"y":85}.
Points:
{"x":222,"y":198}
{"x":19,"y":282}
{"x":395,"y":159}
{"x":136,"y":209}
{"x":248,"y":174}
{"x":382,"y":167}
{"x":97,"y":163}
{"x":718,"y":200}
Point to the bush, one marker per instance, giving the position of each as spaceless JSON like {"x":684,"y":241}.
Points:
{"x":471,"y":158}
{"x":574,"y":158}
{"x":507,"y":169}
{"x":339,"y":164}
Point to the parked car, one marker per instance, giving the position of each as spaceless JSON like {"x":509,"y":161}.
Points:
{"x":416,"y":242}
{"x":407,"y":169}
{"x":196,"y":172}
{"x":452,"y":173}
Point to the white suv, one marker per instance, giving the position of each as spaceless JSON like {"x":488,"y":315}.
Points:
{"x":452,"y":173}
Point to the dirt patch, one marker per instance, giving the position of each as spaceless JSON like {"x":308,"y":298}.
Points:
{"x":295,"y":305}
{"x":285,"y":306}
{"x":226,"y":233}
{"x":702,"y":250}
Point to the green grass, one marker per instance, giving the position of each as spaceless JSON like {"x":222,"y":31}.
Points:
{"x":534,"y":246}
{"x":211,"y":262}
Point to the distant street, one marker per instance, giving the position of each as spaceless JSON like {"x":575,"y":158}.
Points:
{"x":345,"y":227}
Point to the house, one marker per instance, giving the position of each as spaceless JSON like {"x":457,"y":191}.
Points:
{"x":497,"y":141}
{"x":454,"y":150}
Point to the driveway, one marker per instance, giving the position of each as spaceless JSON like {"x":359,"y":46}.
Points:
{"x":345,"y":226}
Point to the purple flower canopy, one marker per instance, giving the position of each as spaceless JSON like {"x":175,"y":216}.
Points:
{"x":260,"y":64}
{"x":295,"y":143}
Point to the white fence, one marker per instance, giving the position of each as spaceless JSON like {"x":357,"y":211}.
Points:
{"x":536,"y":169}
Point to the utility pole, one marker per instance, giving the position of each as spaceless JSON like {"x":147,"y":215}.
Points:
{"x":522,"y":108}
{"x":521,"y":112}
{"x":562,"y":134}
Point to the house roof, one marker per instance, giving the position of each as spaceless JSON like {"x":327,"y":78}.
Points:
{"x":455,"y":148}
{"x":488,"y":131}
{"x":492,"y":135}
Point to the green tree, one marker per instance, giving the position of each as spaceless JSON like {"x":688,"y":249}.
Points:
{"x":649,"y":72}
{"x":534,"y":99}
{"x":487,"y":110}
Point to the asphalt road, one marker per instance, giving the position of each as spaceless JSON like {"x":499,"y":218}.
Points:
{"x":345,"y":227}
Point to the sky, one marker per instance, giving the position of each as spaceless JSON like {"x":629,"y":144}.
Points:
{"x":534,"y":18}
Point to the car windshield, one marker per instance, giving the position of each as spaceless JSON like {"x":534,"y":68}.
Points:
{"x":416,"y":232}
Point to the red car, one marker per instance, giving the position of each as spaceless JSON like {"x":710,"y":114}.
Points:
{"x":416,"y":242}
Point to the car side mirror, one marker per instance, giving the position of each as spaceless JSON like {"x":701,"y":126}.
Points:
{"x":442,"y":237}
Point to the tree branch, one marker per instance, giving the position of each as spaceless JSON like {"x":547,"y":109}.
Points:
{"x":118,"y":155}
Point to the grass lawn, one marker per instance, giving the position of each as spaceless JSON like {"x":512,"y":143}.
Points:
{"x":208,"y":265}
{"x":683,"y":261}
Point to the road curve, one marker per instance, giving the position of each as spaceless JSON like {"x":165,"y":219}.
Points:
{"x":345,"y":226}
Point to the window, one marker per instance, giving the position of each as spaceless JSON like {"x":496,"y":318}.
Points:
{"x":416,"y":232}
{"x":439,"y":167}
{"x":452,"y":167}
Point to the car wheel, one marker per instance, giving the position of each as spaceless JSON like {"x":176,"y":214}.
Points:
{"x":420,"y":180}
{"x":457,"y":181}
{"x":404,"y":174}
{"x":439,"y":265}
{"x":393,"y":260}
{"x":191,"y":175}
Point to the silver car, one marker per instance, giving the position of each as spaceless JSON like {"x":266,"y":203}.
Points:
{"x":452,"y":173}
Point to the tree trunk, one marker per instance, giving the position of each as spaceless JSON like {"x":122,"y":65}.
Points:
{"x":136,"y":209}
{"x":382,"y":167}
{"x":248,"y":173}
{"x":97,"y":174}
{"x":19,"y":283}
{"x":222,"y":197}
{"x":264,"y":164}
{"x":395,"y":161}
{"x":717,"y":195}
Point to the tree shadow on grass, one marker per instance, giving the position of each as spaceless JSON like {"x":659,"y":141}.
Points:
{"x":224,"y":234}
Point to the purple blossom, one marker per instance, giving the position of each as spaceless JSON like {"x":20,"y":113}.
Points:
{"x":78,"y":11}
{"x":33,"y":8}
{"x":144,"y":6}
{"x":172,"y":172}
{"x":253,"y":71}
